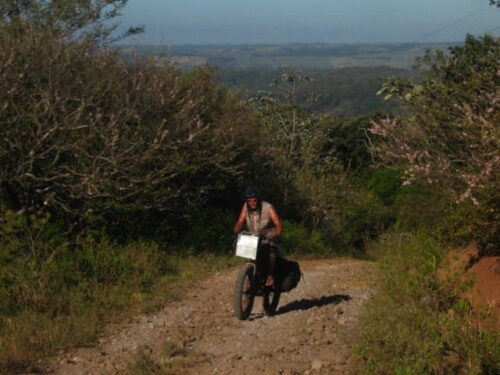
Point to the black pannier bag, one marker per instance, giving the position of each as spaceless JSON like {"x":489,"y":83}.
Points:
{"x":289,"y":274}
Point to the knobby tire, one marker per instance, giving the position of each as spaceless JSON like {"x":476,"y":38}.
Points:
{"x":271,"y":299}
{"x":244,"y":293}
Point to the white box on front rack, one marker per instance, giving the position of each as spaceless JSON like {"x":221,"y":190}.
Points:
{"x":247,"y":245}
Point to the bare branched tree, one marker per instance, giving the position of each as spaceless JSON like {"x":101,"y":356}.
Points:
{"x":87,"y":134}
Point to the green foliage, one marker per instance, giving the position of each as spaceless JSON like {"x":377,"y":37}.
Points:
{"x":343,"y":92}
{"x":289,"y":133}
{"x":63,"y":272}
{"x":299,"y":240}
{"x":55,"y":294}
{"x":419,"y":325}
{"x":417,"y":207}
{"x":208,"y":231}
{"x":87,"y":20}
{"x":347,"y":141}
{"x":385,"y":184}
{"x":451,"y":140}
{"x":320,"y":165}
{"x":88,"y":138}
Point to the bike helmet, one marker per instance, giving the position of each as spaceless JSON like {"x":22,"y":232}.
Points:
{"x":252,"y":192}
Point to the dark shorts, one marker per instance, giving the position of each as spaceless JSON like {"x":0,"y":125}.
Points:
{"x":277,"y":251}
{"x":273,"y":251}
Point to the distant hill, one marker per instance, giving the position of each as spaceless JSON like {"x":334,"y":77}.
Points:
{"x":343,"y":92}
{"x":321,"y":56}
{"x":345,"y":76}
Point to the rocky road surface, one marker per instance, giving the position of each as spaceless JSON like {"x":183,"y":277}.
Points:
{"x":311,"y":333}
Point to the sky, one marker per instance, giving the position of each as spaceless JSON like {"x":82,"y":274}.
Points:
{"x":309,"y":21}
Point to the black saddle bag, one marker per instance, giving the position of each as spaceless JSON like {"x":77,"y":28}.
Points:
{"x":289,"y":274}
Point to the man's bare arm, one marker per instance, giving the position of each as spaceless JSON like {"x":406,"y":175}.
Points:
{"x":241,"y":220}
{"x":276,"y":220}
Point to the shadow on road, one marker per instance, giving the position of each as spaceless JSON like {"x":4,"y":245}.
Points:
{"x":306,"y":304}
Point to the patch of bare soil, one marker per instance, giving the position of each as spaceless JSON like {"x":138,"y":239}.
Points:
{"x":485,"y":273}
{"x":311,"y":333}
{"x":486,"y":291}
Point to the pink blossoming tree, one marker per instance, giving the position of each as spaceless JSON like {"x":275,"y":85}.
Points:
{"x":451,"y":139}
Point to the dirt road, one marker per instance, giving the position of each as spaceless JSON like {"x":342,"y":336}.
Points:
{"x":310,"y":334}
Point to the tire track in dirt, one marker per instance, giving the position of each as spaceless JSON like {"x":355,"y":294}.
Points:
{"x":312,"y":332}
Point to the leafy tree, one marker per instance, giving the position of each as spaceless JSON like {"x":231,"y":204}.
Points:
{"x":312,"y":159}
{"x":288,"y":126}
{"x":87,"y":19}
{"x":86,"y":136}
{"x":452,"y":139}
{"x":347,"y":141}
{"x":344,"y":92}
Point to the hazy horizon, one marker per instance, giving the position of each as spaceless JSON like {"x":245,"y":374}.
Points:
{"x":262,"y":44}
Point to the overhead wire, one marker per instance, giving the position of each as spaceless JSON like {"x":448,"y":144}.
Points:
{"x":467,"y":16}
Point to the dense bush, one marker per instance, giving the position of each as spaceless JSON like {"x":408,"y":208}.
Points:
{"x":41,"y":269}
{"x":89,"y":20}
{"x":451,"y":141}
{"x":304,"y":242}
{"x":447,"y":150}
{"x":56,"y":293}
{"x":320,"y":169}
{"x":95,"y":148}
{"x":86,"y":136}
{"x":418,"y":324}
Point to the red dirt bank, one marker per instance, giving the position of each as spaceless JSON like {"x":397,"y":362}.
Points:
{"x":484,"y":271}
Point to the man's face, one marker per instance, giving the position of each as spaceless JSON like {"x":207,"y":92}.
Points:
{"x":252,"y":202}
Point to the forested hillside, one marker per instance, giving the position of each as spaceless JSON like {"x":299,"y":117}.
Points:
{"x":343,"y":79}
{"x":299,"y":56}
{"x":342,"y":92}
{"x":121,"y":175}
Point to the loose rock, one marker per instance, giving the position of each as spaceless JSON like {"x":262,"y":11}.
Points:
{"x":200,"y":334}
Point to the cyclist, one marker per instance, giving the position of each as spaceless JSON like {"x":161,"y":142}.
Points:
{"x":261,"y":217}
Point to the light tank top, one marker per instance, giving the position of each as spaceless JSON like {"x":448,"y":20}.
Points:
{"x":262,"y":223}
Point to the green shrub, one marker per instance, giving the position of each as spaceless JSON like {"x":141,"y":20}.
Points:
{"x":110,"y":142}
{"x":450,"y":139}
{"x":385,"y":184}
{"x":298,"y":240}
{"x":63,"y":287}
{"x":418,"y":325}
{"x":207,"y":231}
{"x":56,"y":294}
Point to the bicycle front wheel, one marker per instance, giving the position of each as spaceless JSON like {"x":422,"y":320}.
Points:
{"x":244,"y":292}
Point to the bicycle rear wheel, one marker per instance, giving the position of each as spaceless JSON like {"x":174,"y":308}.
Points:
{"x":271,"y":299}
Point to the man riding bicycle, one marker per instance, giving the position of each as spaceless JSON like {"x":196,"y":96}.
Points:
{"x":261,"y":217}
